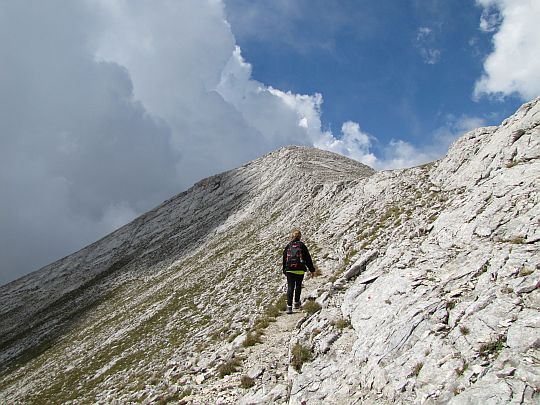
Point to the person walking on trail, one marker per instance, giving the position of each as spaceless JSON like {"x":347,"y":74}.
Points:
{"x":296,"y":260}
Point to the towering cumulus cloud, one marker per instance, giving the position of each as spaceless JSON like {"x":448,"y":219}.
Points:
{"x":79,"y":155}
{"x":111,"y":107}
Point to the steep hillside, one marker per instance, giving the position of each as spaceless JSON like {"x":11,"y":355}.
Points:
{"x":428,"y":293}
{"x":117,"y":312}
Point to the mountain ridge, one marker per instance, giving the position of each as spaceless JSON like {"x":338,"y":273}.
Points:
{"x":115,"y":251}
{"x":423,"y":263}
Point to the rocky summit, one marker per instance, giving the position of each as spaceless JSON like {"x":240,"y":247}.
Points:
{"x":427,"y":290}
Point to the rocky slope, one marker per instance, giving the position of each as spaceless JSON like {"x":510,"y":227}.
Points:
{"x":429,"y":288}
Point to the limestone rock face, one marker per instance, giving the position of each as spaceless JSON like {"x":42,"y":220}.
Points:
{"x":428,"y":293}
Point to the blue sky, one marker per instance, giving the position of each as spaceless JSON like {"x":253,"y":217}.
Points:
{"x":401,"y":69}
{"x":110,"y":107}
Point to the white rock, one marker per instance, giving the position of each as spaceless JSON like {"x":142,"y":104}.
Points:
{"x":483,"y":231}
{"x":239,"y":340}
{"x":360,"y":264}
{"x":506,"y":372}
{"x":477,"y":369}
{"x":199,"y":379}
{"x":255,"y":372}
{"x":528,"y":285}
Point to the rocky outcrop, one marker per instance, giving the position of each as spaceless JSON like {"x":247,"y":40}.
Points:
{"x":448,"y":311}
{"x":428,"y":293}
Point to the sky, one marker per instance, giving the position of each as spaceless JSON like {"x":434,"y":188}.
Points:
{"x":110,"y":107}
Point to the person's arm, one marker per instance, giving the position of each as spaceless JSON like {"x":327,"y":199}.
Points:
{"x":284,"y":259}
{"x":307,"y":259}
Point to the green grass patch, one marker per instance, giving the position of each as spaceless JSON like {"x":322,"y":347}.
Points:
{"x":416,"y":369}
{"x":311,"y":307}
{"x":229,"y":367}
{"x":484,"y":267}
{"x":281,"y":302}
{"x":511,"y":164}
{"x":335,"y":276}
{"x":169,"y":399}
{"x":518,"y":240}
{"x":252,"y":338}
{"x":300,"y":355}
{"x":341,"y":323}
{"x":433,"y":217}
{"x":246,"y":382}
{"x":233,"y":336}
{"x":492,"y":348}
{"x":272,"y":311}
{"x":262,"y":323}
{"x":525,"y":272}
{"x":392,"y":212}
{"x":461,"y":370}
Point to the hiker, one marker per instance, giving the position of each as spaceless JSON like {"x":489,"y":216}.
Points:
{"x":296,"y":259}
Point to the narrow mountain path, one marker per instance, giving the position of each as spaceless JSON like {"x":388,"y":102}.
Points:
{"x":265,"y":364}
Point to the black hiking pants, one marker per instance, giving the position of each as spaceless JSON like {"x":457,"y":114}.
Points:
{"x":294,"y":285}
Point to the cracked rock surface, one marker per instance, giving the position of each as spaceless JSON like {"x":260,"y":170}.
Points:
{"x":429,"y":292}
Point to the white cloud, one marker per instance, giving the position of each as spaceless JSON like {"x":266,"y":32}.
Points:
{"x":276,"y":118}
{"x":513,"y":67}
{"x":74,"y":141}
{"x":454,"y":128}
{"x":423,"y":33}
{"x":490,"y":18}
{"x":284,"y":118}
{"x":425,"y":41}
{"x":430,"y":56}
{"x":353,"y":143}
{"x":401,"y":154}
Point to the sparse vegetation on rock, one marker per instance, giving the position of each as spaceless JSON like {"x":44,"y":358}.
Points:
{"x":229,"y":367}
{"x":299,"y":355}
{"x":311,"y":307}
{"x":493,"y":347}
{"x":246,"y":382}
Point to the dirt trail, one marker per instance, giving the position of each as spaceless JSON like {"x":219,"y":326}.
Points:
{"x":266,"y":362}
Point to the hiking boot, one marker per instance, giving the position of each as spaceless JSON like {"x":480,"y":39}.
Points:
{"x":289,"y":309}
{"x":297,"y":305}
